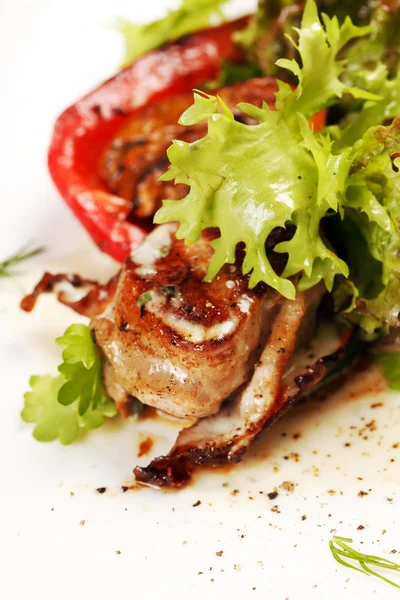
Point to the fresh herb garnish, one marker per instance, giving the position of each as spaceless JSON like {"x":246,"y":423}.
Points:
{"x":7,"y":266}
{"x":74,"y":400}
{"x":191,"y":15}
{"x":343,"y":553}
{"x":144,"y":299}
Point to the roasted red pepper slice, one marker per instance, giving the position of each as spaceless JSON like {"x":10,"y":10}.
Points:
{"x":83,"y":130}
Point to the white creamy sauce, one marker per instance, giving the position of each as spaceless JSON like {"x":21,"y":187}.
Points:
{"x":245,"y":303}
{"x":156,"y":245}
{"x":193,"y":332}
{"x":143,"y":271}
{"x":154,"y":305}
{"x":72,"y":293}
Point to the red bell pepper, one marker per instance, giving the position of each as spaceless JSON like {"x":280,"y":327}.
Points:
{"x":83,"y":130}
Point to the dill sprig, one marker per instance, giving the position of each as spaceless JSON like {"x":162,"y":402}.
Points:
{"x":341,"y":551}
{"x":6,"y":267}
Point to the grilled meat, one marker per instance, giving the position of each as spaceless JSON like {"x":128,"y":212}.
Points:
{"x":175,"y":342}
{"x":229,"y":357}
{"x":272,"y":388}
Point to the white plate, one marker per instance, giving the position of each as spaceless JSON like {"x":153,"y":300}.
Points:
{"x":149,"y":543}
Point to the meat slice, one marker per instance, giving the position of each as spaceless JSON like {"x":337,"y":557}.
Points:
{"x":135,"y":159}
{"x":281,"y":376}
{"x":229,"y":357}
{"x":175,"y":342}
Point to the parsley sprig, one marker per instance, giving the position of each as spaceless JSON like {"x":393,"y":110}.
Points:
{"x":7,"y":266}
{"x":74,"y":400}
{"x":343,"y":553}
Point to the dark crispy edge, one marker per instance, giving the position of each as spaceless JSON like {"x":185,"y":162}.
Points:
{"x":175,"y":469}
{"x":92,"y":304}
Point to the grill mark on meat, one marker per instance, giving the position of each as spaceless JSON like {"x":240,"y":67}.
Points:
{"x":158,"y":165}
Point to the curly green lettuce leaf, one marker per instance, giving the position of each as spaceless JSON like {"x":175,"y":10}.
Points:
{"x":373,"y":64}
{"x":372,"y":113}
{"x":192,"y":15}
{"x":265,"y":39}
{"x":374,"y":189}
{"x":73,"y":401}
{"x":249,"y":180}
{"x":371,"y":245}
{"x":372,"y":60}
{"x":319,"y":74}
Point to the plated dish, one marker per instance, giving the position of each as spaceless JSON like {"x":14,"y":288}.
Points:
{"x":327,"y":468}
{"x":273,"y":268}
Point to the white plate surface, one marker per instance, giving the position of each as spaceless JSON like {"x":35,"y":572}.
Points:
{"x":152,"y":544}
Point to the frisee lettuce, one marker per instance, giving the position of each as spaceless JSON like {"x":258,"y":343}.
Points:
{"x":265,"y":39}
{"x":191,"y":15}
{"x":373,"y":205}
{"x":319,"y":83}
{"x":74,"y":401}
{"x":248,"y":180}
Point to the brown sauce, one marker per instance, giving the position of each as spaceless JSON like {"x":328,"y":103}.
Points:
{"x":145,"y":446}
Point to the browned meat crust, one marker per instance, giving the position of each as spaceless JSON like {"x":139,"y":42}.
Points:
{"x":193,"y":345}
{"x":175,"y":342}
{"x":225,"y":438}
